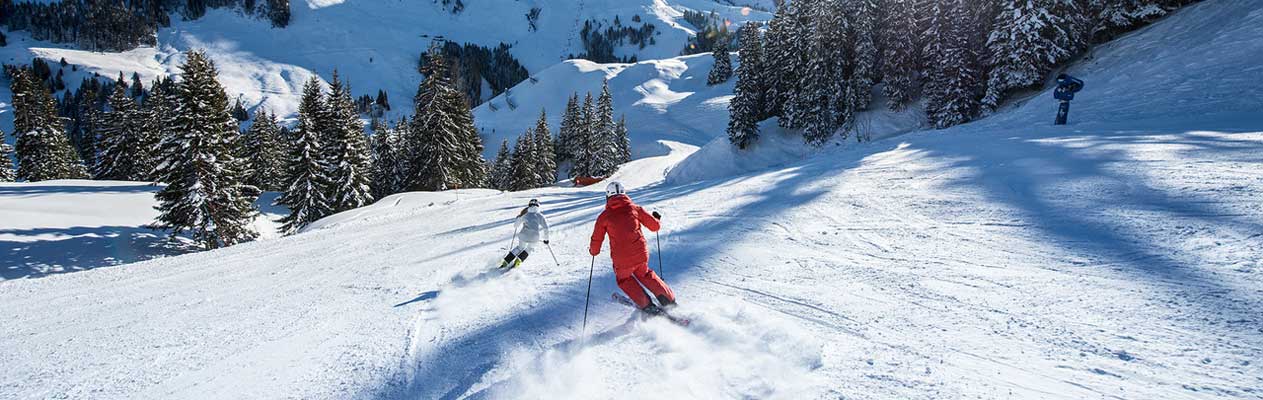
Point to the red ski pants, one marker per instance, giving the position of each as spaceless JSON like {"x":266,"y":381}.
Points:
{"x":630,"y":279}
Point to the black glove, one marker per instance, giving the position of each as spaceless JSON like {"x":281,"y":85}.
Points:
{"x":656,"y":215}
{"x":545,"y":242}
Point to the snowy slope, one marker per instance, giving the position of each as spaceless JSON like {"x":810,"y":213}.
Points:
{"x":61,"y":226}
{"x":1115,"y":258}
{"x":374,"y":43}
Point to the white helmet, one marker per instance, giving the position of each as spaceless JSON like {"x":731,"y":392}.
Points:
{"x":614,"y":189}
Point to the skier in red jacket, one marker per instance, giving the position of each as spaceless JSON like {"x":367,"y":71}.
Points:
{"x":622,"y":220}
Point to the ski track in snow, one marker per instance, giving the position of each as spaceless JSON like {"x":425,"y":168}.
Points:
{"x":1112,"y":259}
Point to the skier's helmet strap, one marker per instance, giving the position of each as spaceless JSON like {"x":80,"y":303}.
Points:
{"x":614,"y":189}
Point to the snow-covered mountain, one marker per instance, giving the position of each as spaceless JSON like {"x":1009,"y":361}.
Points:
{"x":375,"y":44}
{"x":1115,"y":257}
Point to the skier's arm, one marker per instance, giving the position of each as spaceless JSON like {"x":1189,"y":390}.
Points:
{"x":598,"y":236}
{"x":647,"y":220}
{"x":543,"y":232}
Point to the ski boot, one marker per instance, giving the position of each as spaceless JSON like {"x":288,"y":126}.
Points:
{"x":666,"y":303}
{"x":651,"y":310}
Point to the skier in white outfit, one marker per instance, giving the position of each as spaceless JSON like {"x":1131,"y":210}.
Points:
{"x":531,"y":228}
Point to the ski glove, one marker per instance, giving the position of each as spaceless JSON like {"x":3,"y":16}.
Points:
{"x":656,"y":215}
{"x":545,"y":242}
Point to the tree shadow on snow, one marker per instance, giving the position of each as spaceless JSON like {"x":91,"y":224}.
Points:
{"x":80,"y":248}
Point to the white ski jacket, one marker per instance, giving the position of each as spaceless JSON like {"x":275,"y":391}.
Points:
{"x":531,"y":227}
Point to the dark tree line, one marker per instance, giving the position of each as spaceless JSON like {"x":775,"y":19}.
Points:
{"x":599,"y":44}
{"x":469,"y":65}
{"x":817,"y":62}
{"x":118,"y":25}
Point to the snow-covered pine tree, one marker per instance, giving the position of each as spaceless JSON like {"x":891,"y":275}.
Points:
{"x":567,"y":140}
{"x":791,"y":63}
{"x":622,"y":141}
{"x":863,"y":57}
{"x":266,"y":153}
{"x":84,"y":138}
{"x":471,"y":168}
{"x":307,"y":184}
{"x":522,"y":175}
{"x":124,"y":155}
{"x":901,"y":51}
{"x":722,"y":68}
{"x":440,"y":134}
{"x":205,"y":194}
{"x":821,"y":101}
{"x":501,"y":177}
{"x":953,"y":75}
{"x":584,"y":150}
{"x":545,"y":159}
{"x":1026,"y":41}
{"x":347,"y":149}
{"x":777,"y":59}
{"x":7,"y":174}
{"x":749,"y":101}
{"x":159,"y":116}
{"x":605,"y":147}
{"x":43,"y":150}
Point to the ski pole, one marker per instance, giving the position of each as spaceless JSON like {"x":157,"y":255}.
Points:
{"x":588,"y":297}
{"x":550,"y":251}
{"x":658,"y":239}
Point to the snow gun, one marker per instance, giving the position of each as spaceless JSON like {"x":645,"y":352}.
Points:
{"x":1067,"y":86}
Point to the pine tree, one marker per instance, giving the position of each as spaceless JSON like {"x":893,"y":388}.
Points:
{"x":386,"y":160}
{"x":347,"y":149}
{"x":748,"y":104}
{"x":545,"y":159}
{"x":158,"y":114}
{"x":567,"y":133}
{"x":43,"y":150}
{"x":1027,"y":40}
{"x":778,"y":59}
{"x":522,"y":175}
{"x":622,"y":140}
{"x":585,"y":141}
{"x":443,"y":143}
{"x":820,"y":105}
{"x":862,"y":58}
{"x":901,"y":52}
{"x":138,"y":88}
{"x":605,"y":148}
{"x":722,"y":68}
{"x":7,"y":174}
{"x":265,"y":153}
{"x":502,"y":169}
{"x":308,"y":183}
{"x":953,"y":76}
{"x":85,"y":138}
{"x":125,"y":153}
{"x":205,"y":194}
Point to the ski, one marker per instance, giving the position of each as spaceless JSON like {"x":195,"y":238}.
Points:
{"x":624,"y":300}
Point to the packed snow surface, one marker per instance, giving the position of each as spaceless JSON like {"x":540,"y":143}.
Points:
{"x":1116,"y":257}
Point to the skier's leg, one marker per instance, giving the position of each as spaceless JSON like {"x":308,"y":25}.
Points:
{"x":656,"y":285}
{"x":627,"y":282}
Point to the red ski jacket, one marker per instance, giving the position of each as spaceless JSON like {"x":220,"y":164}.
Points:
{"x":622,"y":220}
